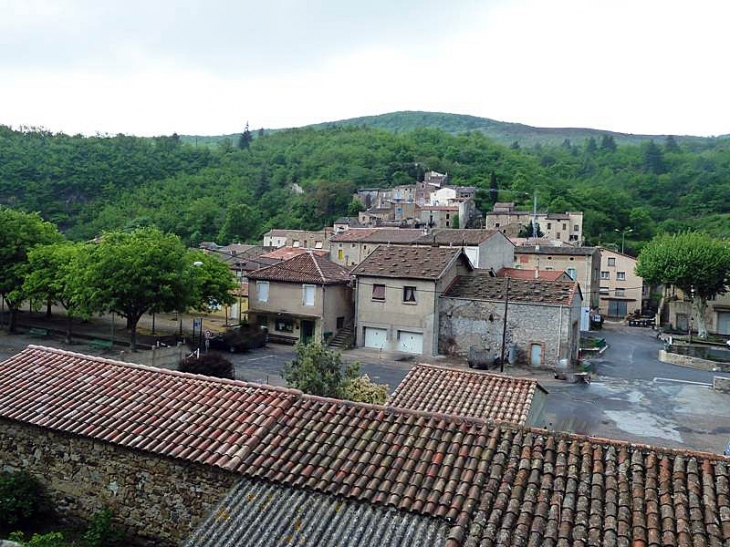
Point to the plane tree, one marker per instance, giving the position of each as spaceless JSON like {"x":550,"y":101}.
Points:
{"x":694,"y":262}
{"x":19,"y":233}
{"x":146,"y":270}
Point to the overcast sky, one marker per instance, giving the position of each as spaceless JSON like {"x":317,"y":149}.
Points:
{"x":151,"y":67}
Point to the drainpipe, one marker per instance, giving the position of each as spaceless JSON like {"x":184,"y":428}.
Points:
{"x":560,"y":332}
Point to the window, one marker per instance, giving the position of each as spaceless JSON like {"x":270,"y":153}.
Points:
{"x":565,"y":226}
{"x":284,"y":324}
{"x":296,"y":243}
{"x":605,"y":275}
{"x":619,"y":292}
{"x":308,"y":292}
{"x":621,"y":276}
{"x":340,"y":254}
{"x":496,"y":224}
{"x":353,"y":245}
{"x":447,"y":216}
{"x":550,"y":225}
{"x":318,"y":245}
{"x":409,"y":294}
{"x":604,"y":290}
{"x":576,"y":228}
{"x":612,"y":262}
{"x":379,"y":292}
{"x":262,"y":288}
{"x":571,"y":273}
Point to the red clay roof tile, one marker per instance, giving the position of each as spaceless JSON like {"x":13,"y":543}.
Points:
{"x":496,"y":483}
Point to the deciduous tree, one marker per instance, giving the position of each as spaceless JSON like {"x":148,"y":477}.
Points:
{"x":19,"y":234}
{"x":694,"y":262}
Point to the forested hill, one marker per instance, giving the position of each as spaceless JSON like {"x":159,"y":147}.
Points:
{"x":501,"y":132}
{"x":87,"y":185}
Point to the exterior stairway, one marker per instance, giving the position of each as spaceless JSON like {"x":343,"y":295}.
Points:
{"x":343,"y":339}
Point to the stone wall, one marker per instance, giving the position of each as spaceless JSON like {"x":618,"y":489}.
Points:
{"x":158,"y":501}
{"x":691,"y":362}
{"x":464,"y":323}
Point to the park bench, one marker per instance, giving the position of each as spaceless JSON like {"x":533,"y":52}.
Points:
{"x":38,"y":333}
{"x":102,"y":344}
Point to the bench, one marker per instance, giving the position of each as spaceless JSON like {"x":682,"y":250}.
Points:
{"x":38,"y":333}
{"x":102,"y":344}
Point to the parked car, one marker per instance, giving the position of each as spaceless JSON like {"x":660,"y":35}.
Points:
{"x":241,"y":338}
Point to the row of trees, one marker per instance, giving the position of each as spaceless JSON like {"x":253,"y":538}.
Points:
{"x":128,"y":273}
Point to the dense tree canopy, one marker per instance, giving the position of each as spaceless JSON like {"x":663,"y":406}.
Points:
{"x":694,"y":262}
{"x":303,"y":178}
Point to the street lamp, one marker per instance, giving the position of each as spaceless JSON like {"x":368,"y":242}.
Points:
{"x":623,"y":236}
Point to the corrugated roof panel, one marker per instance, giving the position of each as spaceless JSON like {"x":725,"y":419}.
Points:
{"x":262,"y":514}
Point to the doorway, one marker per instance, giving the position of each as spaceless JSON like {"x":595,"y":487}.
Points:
{"x":535,"y":355}
{"x":307,"y":331}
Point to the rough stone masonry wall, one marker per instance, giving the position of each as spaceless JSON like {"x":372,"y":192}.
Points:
{"x":157,"y":500}
{"x":463,"y":323}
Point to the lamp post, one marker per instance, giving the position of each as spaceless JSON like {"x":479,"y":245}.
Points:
{"x":691,"y":309}
{"x":623,"y":236}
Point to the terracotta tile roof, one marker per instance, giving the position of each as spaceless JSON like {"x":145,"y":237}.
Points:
{"x":353,"y":234}
{"x":451,"y":236}
{"x":486,"y":287}
{"x":545,"y":275}
{"x":494,"y":483}
{"x":556,"y":250}
{"x":285,"y":253}
{"x":408,"y":262}
{"x":262,"y":514}
{"x":307,"y":267}
{"x":466,"y":393}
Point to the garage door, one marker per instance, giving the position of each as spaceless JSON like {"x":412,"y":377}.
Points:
{"x":410,"y":342}
{"x":375,"y":338}
{"x":723,"y":322}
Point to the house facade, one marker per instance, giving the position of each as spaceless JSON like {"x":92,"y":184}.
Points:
{"x":306,"y":239}
{"x":542,"y":319}
{"x":301,"y":299}
{"x":566,"y":227}
{"x":350,"y":248}
{"x":621,"y":290}
{"x":397,"y":289}
{"x":681,"y":315}
{"x":486,"y":249}
{"x":582,"y":264}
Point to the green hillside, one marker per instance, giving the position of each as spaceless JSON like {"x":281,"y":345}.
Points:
{"x":501,"y":132}
{"x":223,"y":193}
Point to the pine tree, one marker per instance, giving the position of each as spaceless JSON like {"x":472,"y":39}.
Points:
{"x":244,"y":141}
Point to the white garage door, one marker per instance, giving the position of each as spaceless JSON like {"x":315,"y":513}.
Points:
{"x":375,"y":338}
{"x":410,"y":342}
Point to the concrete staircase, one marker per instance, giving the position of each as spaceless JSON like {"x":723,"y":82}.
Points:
{"x":343,"y":339}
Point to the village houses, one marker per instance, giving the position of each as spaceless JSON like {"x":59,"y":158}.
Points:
{"x":558,"y":227}
{"x":622,"y":292}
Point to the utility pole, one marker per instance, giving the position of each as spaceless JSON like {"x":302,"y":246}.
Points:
{"x":504,"y":326}
{"x":534,"y":217}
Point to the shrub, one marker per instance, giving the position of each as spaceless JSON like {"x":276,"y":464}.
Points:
{"x":208,"y":364}
{"x":21,"y":498}
{"x":101,"y":531}
{"x":51,"y":539}
{"x":364,"y":390}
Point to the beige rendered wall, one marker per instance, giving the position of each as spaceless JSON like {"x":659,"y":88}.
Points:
{"x":393,"y":314}
{"x":338,"y":302}
{"x":632,"y":285}
{"x":496,"y":252}
{"x":587,"y":270}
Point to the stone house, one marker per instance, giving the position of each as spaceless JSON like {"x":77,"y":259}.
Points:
{"x":543,"y":318}
{"x":583,"y":264}
{"x":304,"y":298}
{"x":486,"y":249}
{"x":566,"y":227}
{"x":622,"y":292}
{"x":440,"y":216}
{"x":397,"y":290}
{"x":186,"y":458}
{"x":353,"y":246}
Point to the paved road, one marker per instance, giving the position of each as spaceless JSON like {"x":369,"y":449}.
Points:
{"x":632,"y":355}
{"x":264,"y":365}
